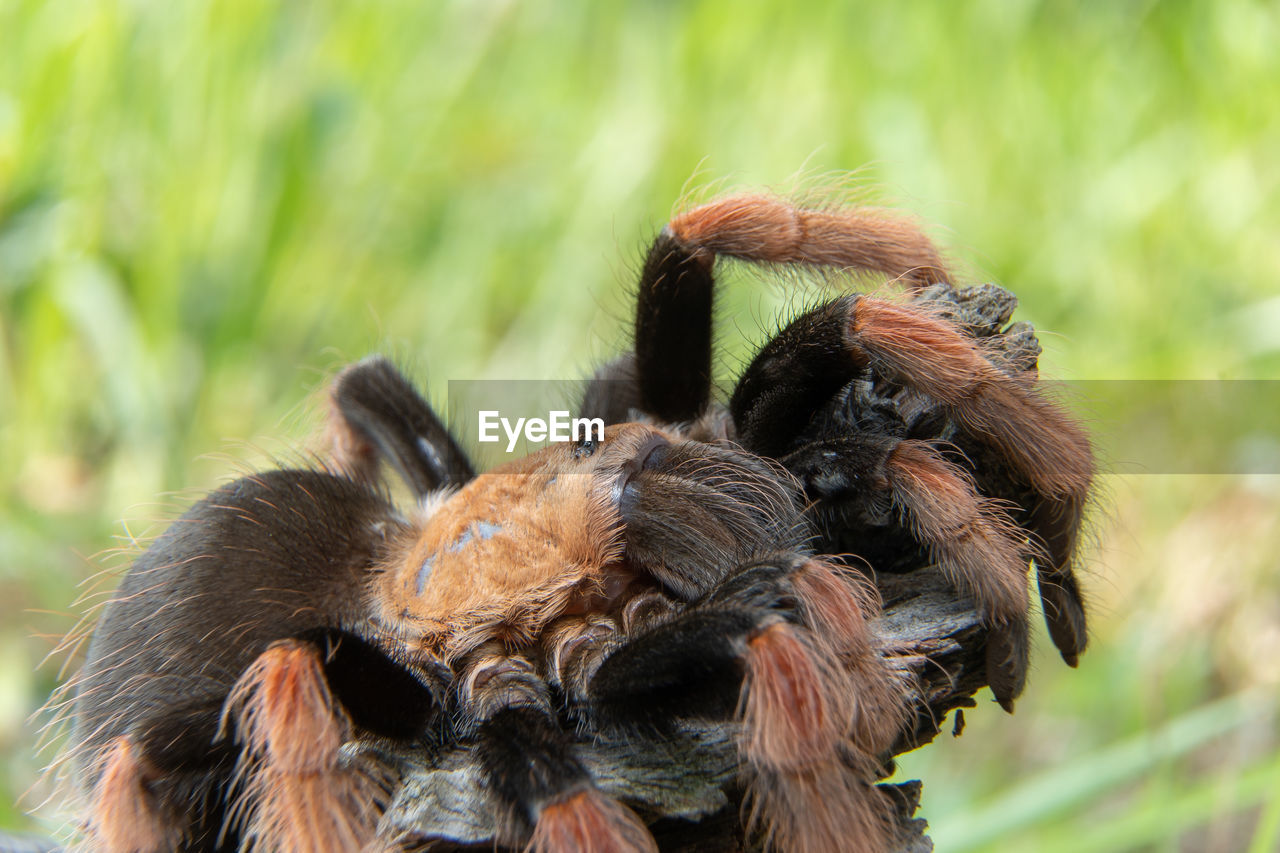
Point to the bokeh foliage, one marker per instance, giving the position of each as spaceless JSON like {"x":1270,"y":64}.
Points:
{"x":206,"y":207}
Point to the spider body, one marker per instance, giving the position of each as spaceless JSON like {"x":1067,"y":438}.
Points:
{"x":678,"y":568}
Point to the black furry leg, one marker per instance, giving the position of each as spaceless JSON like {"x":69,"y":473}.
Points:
{"x":691,"y":667}
{"x":668,"y":376}
{"x":545,"y":795}
{"x":528,"y":762}
{"x":391,"y":419}
{"x":673,"y":330}
{"x":1057,"y":523}
{"x":379,"y":694}
{"x":793,"y":377}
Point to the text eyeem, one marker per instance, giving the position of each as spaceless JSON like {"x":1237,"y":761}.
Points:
{"x":557,"y":426}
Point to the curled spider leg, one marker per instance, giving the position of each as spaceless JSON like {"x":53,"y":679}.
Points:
{"x":668,"y":376}
{"x":901,"y":343}
{"x":932,"y":357}
{"x":808,"y":363}
{"x":1043,"y":444}
{"x":972,"y":538}
{"x":804,"y":367}
{"x":376,"y":413}
{"x":279,"y":556}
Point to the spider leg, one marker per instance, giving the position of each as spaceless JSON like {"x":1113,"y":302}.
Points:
{"x":974,"y":541}
{"x":125,"y":815}
{"x":151,"y":780}
{"x":293,"y":789}
{"x":899,"y":343}
{"x":673,"y":330}
{"x":1057,"y":525}
{"x":167,"y":782}
{"x":925,"y":353}
{"x":767,"y":229}
{"x":543,"y":794}
{"x":792,"y":377}
{"x":807,"y":363}
{"x":669,"y":374}
{"x":376,"y":413}
{"x":783,"y":645}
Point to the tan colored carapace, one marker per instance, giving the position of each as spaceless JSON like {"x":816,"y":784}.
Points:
{"x":537,"y":538}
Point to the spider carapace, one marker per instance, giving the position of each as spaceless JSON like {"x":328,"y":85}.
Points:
{"x":691,"y":563}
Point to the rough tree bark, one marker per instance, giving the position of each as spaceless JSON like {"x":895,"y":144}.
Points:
{"x":688,"y":783}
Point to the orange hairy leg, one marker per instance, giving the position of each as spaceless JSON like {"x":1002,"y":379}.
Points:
{"x":295,"y":791}
{"x":768,"y":229}
{"x":125,"y":817}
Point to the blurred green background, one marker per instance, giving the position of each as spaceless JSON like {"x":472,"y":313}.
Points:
{"x":207,"y":207}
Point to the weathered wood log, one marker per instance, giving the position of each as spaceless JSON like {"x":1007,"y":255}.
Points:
{"x":687,"y":784}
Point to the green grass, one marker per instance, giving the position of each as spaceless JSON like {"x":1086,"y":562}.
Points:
{"x":205,"y":208}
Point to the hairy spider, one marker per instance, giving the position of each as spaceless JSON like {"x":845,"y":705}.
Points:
{"x":680,"y":568}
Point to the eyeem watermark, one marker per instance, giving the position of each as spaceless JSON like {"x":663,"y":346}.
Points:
{"x":1140,"y":426}
{"x":557,"y":426}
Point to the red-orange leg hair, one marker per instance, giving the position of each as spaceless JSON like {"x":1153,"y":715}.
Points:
{"x":928,"y":354}
{"x":1037,"y":437}
{"x":295,"y":791}
{"x":588,"y":821}
{"x":977,"y":546}
{"x":838,"y":604}
{"x":768,"y":229}
{"x":819,"y":711}
{"x":810,"y":789}
{"x":812,"y":362}
{"x":124,"y":816}
{"x":669,"y":375}
{"x":801,"y":372}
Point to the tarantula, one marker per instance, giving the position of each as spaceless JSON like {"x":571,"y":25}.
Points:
{"x":681,"y":567}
